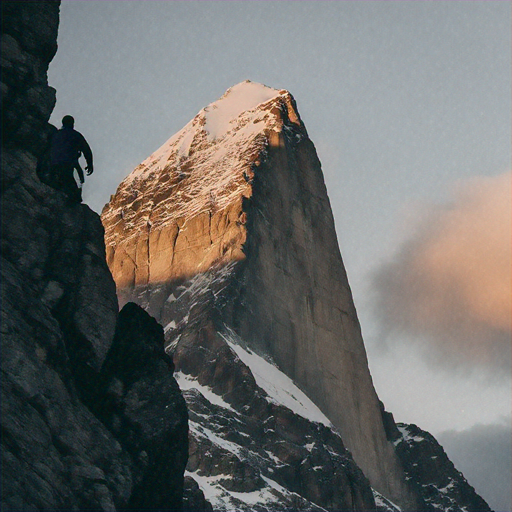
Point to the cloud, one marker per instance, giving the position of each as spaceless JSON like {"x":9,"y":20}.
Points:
{"x":483,"y":454}
{"x":448,"y":289}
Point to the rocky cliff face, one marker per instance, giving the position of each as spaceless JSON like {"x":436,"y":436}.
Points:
{"x":65,"y":391}
{"x":433,"y":476}
{"x":226,"y":236}
{"x":257,"y":442}
{"x":240,"y":190}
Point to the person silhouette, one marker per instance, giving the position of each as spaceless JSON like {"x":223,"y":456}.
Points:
{"x":66,"y":147}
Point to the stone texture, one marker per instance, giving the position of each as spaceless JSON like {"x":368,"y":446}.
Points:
{"x":59,"y":313}
{"x":29,"y":42}
{"x":143,"y":407}
{"x":301,"y":309}
{"x":55,"y":454}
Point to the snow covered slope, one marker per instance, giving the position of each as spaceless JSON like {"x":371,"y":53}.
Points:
{"x":257,"y":442}
{"x":280,"y":388}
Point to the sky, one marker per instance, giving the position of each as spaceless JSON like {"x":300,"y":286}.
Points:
{"x":409,"y":106}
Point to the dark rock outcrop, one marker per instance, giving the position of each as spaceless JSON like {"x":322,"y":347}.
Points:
{"x":60,"y":451}
{"x":29,"y":43}
{"x":244,"y":444}
{"x":433,"y":475}
{"x":142,"y":406}
{"x":193,"y":497}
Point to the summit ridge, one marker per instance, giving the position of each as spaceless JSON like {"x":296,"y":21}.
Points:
{"x":206,"y":164}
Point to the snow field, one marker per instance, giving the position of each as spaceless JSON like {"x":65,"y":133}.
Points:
{"x":280,"y":388}
{"x":187,"y":382}
{"x":223,"y":500}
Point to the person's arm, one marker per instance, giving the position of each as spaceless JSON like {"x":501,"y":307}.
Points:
{"x":80,"y":172}
{"x":87,"y":152}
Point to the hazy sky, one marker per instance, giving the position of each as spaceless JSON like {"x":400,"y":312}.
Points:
{"x":409,"y":106}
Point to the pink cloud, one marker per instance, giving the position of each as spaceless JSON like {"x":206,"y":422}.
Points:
{"x":449,"y":286}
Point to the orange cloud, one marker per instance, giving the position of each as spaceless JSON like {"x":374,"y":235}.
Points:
{"x":449,"y":286}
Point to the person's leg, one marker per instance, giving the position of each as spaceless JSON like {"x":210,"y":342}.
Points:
{"x":56,"y":177}
{"x":67,"y":183}
{"x":71,"y":188}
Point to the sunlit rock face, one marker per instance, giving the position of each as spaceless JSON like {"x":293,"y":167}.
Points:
{"x":181,"y":211}
{"x":238,"y":195}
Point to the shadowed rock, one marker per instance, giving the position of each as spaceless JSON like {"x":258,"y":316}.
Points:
{"x":143,"y":407}
{"x":435,"y":478}
{"x":59,"y":311}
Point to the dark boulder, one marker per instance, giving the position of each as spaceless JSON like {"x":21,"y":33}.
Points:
{"x":142,"y":405}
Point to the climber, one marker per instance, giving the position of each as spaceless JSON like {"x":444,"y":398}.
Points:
{"x":66,"y":147}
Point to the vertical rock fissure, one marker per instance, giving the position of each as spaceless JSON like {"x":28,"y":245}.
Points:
{"x":174,"y":241}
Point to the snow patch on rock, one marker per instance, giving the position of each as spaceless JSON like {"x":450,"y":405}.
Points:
{"x":406,"y":436}
{"x":188,"y":382}
{"x":269,"y":497}
{"x":202,"y":431}
{"x":237,"y":100}
{"x":279,"y":388}
{"x":383,"y":504}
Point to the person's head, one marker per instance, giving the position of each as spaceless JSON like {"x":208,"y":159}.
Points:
{"x":68,"y":122}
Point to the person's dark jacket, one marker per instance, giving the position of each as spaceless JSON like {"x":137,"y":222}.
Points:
{"x":67,"y":145}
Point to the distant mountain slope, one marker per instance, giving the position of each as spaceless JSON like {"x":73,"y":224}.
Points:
{"x":434,"y":476}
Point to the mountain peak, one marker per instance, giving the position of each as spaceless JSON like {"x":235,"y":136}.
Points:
{"x":226,"y":236}
{"x":221,"y":115}
{"x":236,"y":200}
{"x":205,"y":166}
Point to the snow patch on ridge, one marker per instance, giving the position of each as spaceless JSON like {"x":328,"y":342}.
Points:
{"x":237,"y":100}
{"x":187,"y":382}
{"x":217,"y":119}
{"x":201,"y":431}
{"x":266,"y":498}
{"x":406,"y":436}
{"x":280,"y":388}
{"x":383,"y":504}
